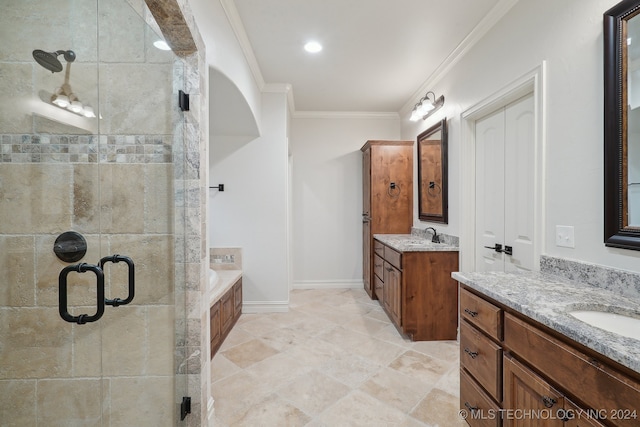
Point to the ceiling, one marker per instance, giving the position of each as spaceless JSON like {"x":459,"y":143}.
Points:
{"x":376,"y":55}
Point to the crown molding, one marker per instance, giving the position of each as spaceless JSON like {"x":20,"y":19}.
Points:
{"x":241,"y":35}
{"x":345,"y":115}
{"x":478,"y":32}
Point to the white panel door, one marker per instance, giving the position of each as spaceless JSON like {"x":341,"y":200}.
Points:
{"x":520,"y":178}
{"x":490,"y":191}
{"x":505,"y":188}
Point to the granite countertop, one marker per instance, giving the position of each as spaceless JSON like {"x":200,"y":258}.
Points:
{"x":548,"y":299}
{"x":413,"y":243}
{"x":226,"y":279}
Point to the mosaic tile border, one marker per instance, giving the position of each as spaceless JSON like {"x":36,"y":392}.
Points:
{"x":45,"y":148}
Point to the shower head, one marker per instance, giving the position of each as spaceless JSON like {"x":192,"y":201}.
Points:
{"x":49,"y":60}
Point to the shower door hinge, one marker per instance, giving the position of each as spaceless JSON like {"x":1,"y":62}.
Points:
{"x":183,"y":101}
{"x":185,"y":407}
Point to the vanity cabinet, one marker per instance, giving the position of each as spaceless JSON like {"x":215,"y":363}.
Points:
{"x":223,"y":315}
{"x":534,"y":376}
{"x":387,"y":203}
{"x":418,"y":293}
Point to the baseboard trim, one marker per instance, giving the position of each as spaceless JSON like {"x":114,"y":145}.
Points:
{"x":329,"y":284}
{"x":252,"y":307}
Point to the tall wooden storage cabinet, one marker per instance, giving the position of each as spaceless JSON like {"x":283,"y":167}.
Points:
{"x":387,"y":206}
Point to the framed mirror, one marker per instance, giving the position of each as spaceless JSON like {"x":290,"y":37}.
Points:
{"x":432,"y":174}
{"x":622,"y":125}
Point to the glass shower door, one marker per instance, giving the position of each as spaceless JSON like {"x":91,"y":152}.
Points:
{"x":89,"y":129}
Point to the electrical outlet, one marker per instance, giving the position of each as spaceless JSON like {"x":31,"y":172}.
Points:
{"x":564,"y":236}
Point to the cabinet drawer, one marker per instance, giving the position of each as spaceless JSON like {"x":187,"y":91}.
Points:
{"x":393,"y":257}
{"x":478,"y":407}
{"x":378,"y":269}
{"x":481,"y":313}
{"x":378,"y":248}
{"x":482,"y":358}
{"x":597,"y":385}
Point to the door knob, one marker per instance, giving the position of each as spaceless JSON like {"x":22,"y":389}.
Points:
{"x":497,"y":247}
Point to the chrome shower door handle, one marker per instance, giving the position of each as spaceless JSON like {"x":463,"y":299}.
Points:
{"x":63,"y":308}
{"x":132,"y":287}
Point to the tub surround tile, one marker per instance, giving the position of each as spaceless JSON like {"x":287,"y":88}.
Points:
{"x":225,"y":258}
{"x":548,"y":298}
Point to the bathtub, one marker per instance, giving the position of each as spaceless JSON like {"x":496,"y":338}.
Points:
{"x":213,"y":278}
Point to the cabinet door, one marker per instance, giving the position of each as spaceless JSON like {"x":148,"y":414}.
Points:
{"x":214,"y":327}
{"x":237,"y":299}
{"x":392,"y":290}
{"x":366,"y":257}
{"x":226,"y":310}
{"x":366,"y":223}
{"x":529,"y":401}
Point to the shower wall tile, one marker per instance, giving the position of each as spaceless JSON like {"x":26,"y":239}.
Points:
{"x":16,"y":26}
{"x":86,"y":198}
{"x":154,"y":273}
{"x":116,"y":45}
{"x":161,"y":336}
{"x":83,"y":16}
{"x":64,"y":399}
{"x":36,"y":343}
{"x":138,"y":399}
{"x":88,"y":346}
{"x":42,"y":206}
{"x":158,"y":199}
{"x":16,"y":264}
{"x":122,"y":195}
{"x":136,"y":100}
{"x":15,"y":117}
{"x":17,"y":412}
{"x":124,"y":329}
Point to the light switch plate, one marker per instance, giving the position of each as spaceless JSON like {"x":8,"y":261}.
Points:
{"x":565,"y":237}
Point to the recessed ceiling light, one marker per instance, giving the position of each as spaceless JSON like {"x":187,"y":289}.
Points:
{"x":161,"y":44}
{"x":313,"y":47}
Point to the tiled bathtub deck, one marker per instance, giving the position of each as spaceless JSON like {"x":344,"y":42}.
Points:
{"x":333,"y":360}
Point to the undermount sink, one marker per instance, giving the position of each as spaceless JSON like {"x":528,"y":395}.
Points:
{"x":617,"y":323}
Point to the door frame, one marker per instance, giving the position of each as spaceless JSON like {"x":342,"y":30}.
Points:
{"x":532,"y":82}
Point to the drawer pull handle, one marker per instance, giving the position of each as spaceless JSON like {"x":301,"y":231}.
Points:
{"x":548,"y":401}
{"x":470,"y":408}
{"x":473,"y":354}
{"x":470,"y":312}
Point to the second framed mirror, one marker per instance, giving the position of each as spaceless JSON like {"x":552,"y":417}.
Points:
{"x":432,"y":174}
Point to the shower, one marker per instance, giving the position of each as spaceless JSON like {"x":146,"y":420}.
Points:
{"x":117,"y":175}
{"x":50,"y":61}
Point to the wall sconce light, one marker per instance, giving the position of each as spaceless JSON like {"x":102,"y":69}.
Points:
{"x":64,"y":97}
{"x":426,"y":107}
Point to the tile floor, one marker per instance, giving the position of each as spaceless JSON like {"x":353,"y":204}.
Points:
{"x":333,"y":360}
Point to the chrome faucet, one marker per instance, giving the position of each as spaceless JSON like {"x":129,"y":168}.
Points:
{"x":435,"y":238}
